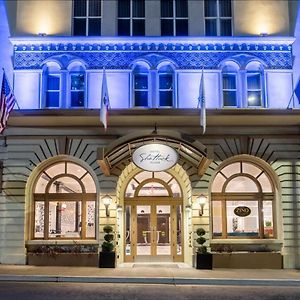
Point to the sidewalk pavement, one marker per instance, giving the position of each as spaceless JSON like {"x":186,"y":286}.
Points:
{"x":147,"y":274}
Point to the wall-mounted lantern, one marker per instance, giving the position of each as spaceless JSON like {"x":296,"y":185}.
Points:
{"x":107,"y":200}
{"x":201,"y":200}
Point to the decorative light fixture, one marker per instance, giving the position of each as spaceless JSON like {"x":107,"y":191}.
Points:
{"x":107,"y":200}
{"x":201,"y":200}
{"x":263,"y":34}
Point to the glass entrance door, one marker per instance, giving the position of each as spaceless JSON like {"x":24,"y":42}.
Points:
{"x":153,"y":232}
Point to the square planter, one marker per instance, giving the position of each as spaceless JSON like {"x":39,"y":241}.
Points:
{"x":63,"y":259}
{"x":248,"y":260}
{"x":204,"y":261}
{"x":107,"y":260}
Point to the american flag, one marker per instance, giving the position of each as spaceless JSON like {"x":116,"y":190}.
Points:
{"x":7,"y":102}
{"x":201,"y":104}
{"x":104,"y":102}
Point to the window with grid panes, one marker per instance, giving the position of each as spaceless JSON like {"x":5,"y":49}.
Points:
{"x":131,"y":17}
{"x":140,"y":86}
{"x":174,"y":17}
{"x":64,"y":204}
{"x":243,"y":202}
{"x":218,"y":17}
{"x":87,"y":17}
{"x":166,"y":89}
{"x":229,"y":85}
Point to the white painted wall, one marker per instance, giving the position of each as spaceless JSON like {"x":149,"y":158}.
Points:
{"x":279,"y":89}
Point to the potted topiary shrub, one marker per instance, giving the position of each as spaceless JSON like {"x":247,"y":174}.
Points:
{"x":107,"y":257}
{"x":203,"y":258}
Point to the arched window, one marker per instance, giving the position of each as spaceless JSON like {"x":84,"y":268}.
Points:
{"x":153,"y":184}
{"x":166,"y":86}
{"x":254,"y":84}
{"x":243,"y":202}
{"x":229,"y":84}
{"x":141,"y":85}
{"x":52,"y":85}
{"x":64,"y":203}
{"x":76,"y":85}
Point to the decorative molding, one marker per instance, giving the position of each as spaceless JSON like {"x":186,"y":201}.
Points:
{"x":123,"y":60}
{"x":120,"y":53}
{"x":149,"y":47}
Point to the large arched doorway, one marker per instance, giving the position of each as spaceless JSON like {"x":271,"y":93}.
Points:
{"x":153,"y":218}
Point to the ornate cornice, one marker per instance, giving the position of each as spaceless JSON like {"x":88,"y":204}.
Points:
{"x":146,"y":44}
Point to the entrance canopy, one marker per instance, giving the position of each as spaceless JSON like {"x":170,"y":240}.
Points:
{"x":118,"y":154}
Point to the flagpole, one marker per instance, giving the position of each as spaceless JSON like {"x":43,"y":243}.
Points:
{"x":10,"y":88}
{"x":201,"y":103}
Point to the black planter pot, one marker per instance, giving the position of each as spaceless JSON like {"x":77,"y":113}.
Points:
{"x":107,"y":260}
{"x":204,"y":261}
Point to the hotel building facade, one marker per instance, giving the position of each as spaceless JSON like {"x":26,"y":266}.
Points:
{"x":64,"y":177}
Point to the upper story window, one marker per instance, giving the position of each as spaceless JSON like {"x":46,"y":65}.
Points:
{"x":229,"y":85}
{"x":166,"y":86}
{"x":141,"y":86}
{"x":153,"y":88}
{"x":243,"y":86}
{"x":52,"y":85}
{"x":243,"y":202}
{"x":218,"y":17}
{"x":174,"y":17}
{"x":131,"y":17}
{"x":87,"y":17}
{"x":254,"y":85}
{"x":77,"y":85}
{"x":64,"y":88}
{"x":64,"y":203}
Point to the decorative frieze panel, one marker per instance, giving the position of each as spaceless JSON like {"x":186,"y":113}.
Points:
{"x":122,"y":55}
{"x":123,"y":60}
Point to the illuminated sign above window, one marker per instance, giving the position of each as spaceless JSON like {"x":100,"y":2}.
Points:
{"x":155,"y":157}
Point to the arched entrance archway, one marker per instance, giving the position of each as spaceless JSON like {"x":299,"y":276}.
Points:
{"x":154,"y":197}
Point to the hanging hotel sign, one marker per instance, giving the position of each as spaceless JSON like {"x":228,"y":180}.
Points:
{"x":155,"y":157}
{"x":242,"y":211}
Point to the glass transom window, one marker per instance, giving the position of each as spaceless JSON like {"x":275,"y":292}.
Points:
{"x":153,"y":184}
{"x":243,"y":202}
{"x":64,"y":203}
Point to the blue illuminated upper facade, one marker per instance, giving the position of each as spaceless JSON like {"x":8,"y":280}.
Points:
{"x":155,"y":72}
{"x":153,"y":53}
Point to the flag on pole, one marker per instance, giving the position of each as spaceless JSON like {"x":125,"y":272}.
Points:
{"x":7,"y":102}
{"x":201,"y":104}
{"x":104,"y":102}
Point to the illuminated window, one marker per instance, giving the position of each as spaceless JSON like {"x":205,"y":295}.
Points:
{"x":131,"y":17}
{"x":243,"y":203}
{"x":229,"y":84}
{"x":87,"y":17}
{"x":254,"y":85}
{"x":64,"y":203}
{"x":140,"y":86}
{"x":153,"y":88}
{"x":153,"y":184}
{"x":174,"y":17}
{"x":166,"y":86}
{"x":77,"y":85}
{"x":242,"y":85}
{"x":218,"y":17}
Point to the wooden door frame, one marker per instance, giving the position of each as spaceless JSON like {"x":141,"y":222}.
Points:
{"x":154,"y":201}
